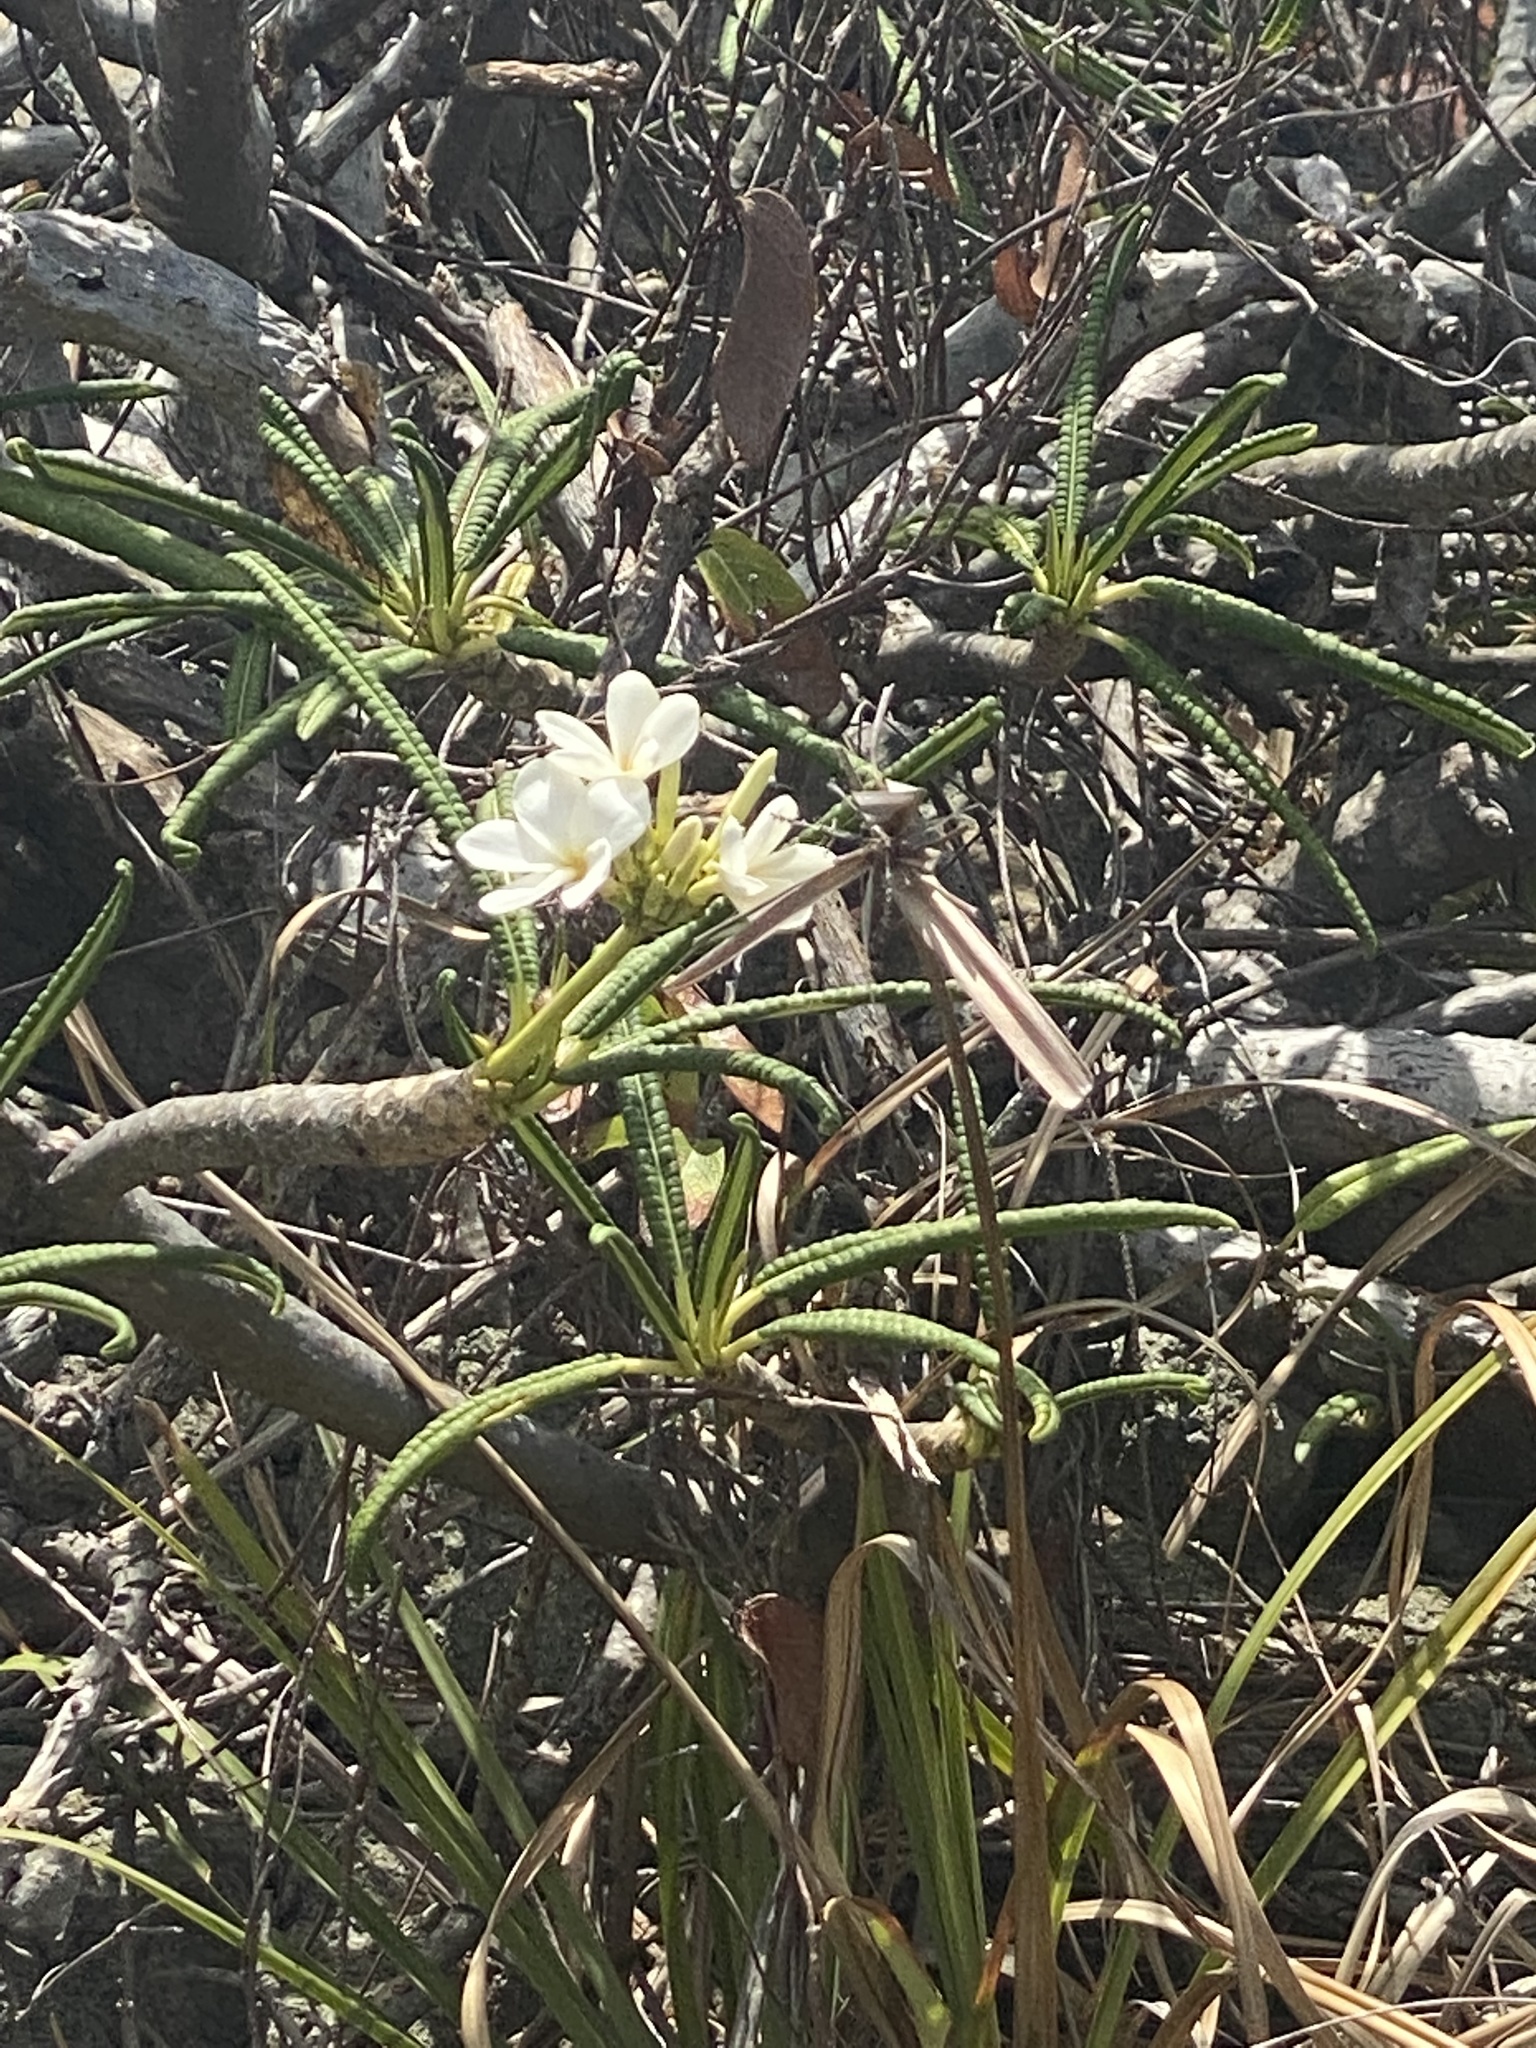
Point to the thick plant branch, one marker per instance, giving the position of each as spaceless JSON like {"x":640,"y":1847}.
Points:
{"x":422,"y":63}
{"x":297,"y":1360}
{"x":1419,"y":483}
{"x":1499,"y":155}
{"x":70,"y":34}
{"x":123,"y":285}
{"x":299,"y":31}
{"x":415,"y":1120}
{"x":122,"y":30}
{"x":202,"y":167}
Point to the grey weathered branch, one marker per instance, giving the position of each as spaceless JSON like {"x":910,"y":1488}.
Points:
{"x":299,"y":31}
{"x":1457,"y":1076}
{"x":422,"y":63}
{"x":299,"y":1361}
{"x":122,"y":30}
{"x":70,"y":34}
{"x":415,"y":1120}
{"x":125,"y":286}
{"x":1498,"y":155}
{"x":44,"y":153}
{"x":202,"y":164}
{"x":1416,"y":483}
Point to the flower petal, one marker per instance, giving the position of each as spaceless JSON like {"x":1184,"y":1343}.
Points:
{"x":534,"y":886}
{"x":549,"y":802}
{"x":577,"y":747}
{"x":496,"y":846}
{"x":670,"y":732}
{"x":583,"y":887}
{"x":770,"y":828}
{"x":616,"y":811}
{"x":630,"y":705}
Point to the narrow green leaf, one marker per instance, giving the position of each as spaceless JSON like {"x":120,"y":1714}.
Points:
{"x":284,"y":432}
{"x":1355,"y":1186}
{"x":65,"y":987}
{"x":1165,"y":488}
{"x":1221,"y":612}
{"x":309,"y":626}
{"x":434,"y":527}
{"x":85,"y":519}
{"x":1074,"y":456}
{"x":658,"y":1180}
{"x":620,"y":1248}
{"x":640,"y":1057}
{"x":456,"y":1428}
{"x":94,"y":476}
{"x":1183,"y":701}
{"x":722,"y":1248}
{"x":813,"y":1266}
{"x":245,"y":684}
{"x":122,"y":1340}
{"x":179,"y":835}
{"x":89,"y":391}
{"x":1188,"y":467}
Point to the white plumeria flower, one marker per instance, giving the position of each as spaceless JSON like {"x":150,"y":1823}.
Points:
{"x":563,"y":835}
{"x":754,"y":863}
{"x":646,"y":731}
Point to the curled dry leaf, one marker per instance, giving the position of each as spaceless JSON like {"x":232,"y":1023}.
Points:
{"x":1024,"y":276}
{"x":869,"y":136}
{"x":786,"y":1638}
{"x":769,"y":335}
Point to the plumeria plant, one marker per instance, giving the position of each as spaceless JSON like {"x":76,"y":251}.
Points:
{"x":605,"y":885}
{"x":1076,"y":590}
{"x":581,"y":821}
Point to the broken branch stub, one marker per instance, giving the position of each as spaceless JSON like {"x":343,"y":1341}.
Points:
{"x":769,"y":334}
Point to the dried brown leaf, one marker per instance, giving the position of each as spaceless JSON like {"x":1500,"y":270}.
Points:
{"x":769,"y":335}
{"x":786,"y":1639}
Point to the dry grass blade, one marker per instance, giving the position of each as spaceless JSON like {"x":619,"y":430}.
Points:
{"x":546,"y":1841}
{"x":969,"y":958}
{"x":1187,"y":1766}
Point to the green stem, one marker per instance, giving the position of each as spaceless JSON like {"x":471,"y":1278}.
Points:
{"x":512,"y":1056}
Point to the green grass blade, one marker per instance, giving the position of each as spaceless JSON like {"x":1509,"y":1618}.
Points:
{"x":295,"y":1970}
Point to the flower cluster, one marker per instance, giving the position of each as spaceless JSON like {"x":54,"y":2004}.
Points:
{"x":581,"y":822}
